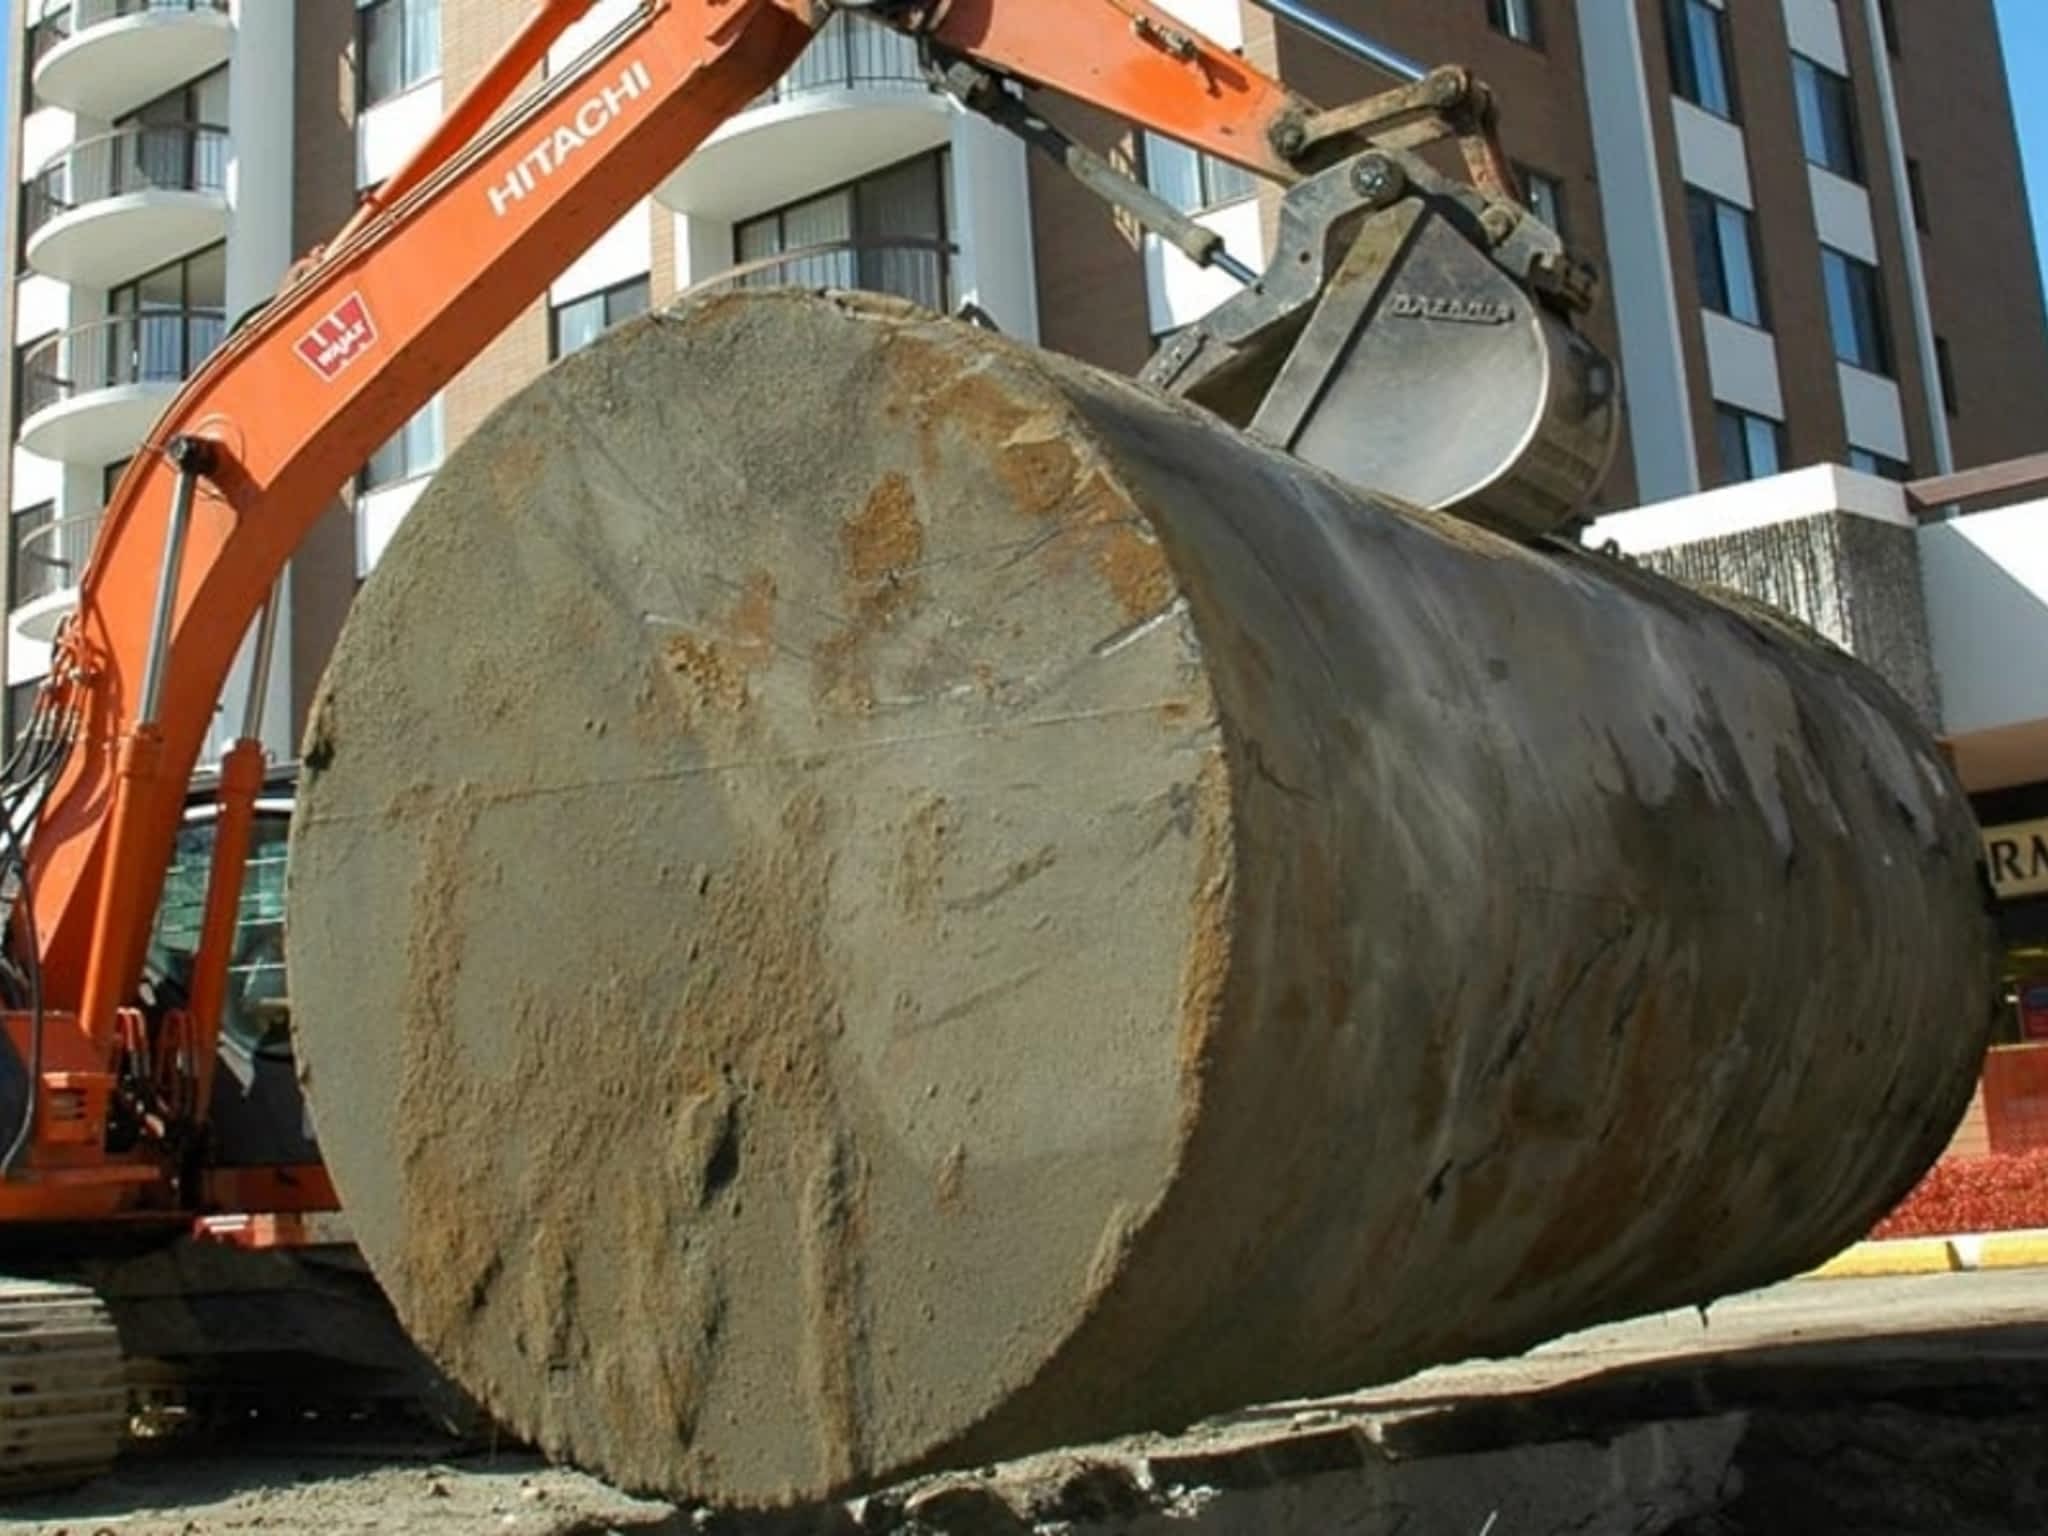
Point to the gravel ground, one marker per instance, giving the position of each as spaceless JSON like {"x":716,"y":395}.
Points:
{"x":1888,"y":1408}
{"x":171,"y":1493}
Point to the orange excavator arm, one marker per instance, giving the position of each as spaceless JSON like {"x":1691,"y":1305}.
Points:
{"x":445,"y":255}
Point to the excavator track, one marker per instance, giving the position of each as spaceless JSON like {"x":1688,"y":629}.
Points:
{"x":63,"y":1387}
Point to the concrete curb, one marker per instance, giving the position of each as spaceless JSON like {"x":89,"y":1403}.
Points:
{"x":1938,"y":1255}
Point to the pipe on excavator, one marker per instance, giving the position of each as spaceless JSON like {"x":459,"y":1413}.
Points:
{"x":868,"y":898}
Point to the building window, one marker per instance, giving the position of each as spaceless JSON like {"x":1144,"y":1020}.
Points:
{"x":179,"y":140}
{"x":1545,"y":196}
{"x":1696,"y":33}
{"x":1888,"y":18}
{"x":1724,"y":251}
{"x":575,"y":325}
{"x":36,"y":570}
{"x":1864,"y":462}
{"x":164,"y":324}
{"x":1516,"y":19}
{"x":1945,"y":365}
{"x":398,"y":44}
{"x":413,"y":451}
{"x":32,"y":390}
{"x":1193,"y":182}
{"x":1916,"y":190}
{"x":43,"y":36}
{"x":1827,"y":118}
{"x":21,"y":708}
{"x":1752,"y":446}
{"x":204,"y":100}
{"x":887,"y":233}
{"x":1856,"y":313}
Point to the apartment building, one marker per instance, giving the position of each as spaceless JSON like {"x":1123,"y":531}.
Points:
{"x":1801,"y":205}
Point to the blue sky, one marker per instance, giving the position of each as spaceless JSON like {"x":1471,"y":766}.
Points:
{"x":2024,"y":24}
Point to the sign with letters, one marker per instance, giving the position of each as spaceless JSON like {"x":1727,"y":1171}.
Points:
{"x":2018,"y":855}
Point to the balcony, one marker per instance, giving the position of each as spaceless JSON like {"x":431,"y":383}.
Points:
{"x":90,"y":394}
{"x":49,"y":561}
{"x":919,"y":270}
{"x":857,"y":100}
{"x":102,"y":58}
{"x":127,"y":201}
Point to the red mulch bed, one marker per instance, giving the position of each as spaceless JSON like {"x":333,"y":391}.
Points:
{"x":1975,"y":1194}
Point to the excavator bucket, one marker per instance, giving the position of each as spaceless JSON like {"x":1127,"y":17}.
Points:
{"x":866,"y":898}
{"x":1401,"y":344}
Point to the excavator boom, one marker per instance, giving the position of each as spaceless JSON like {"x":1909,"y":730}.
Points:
{"x":252,"y":450}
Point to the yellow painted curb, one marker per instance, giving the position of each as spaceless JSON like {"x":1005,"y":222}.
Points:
{"x":2025,"y":1250}
{"x":1907,"y":1256}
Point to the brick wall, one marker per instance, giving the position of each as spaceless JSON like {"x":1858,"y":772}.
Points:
{"x":1886,"y":197}
{"x":1789,"y":238}
{"x":472,"y":33}
{"x":1091,"y":274}
{"x":1983,"y":282}
{"x":661,"y":285}
{"x":322,"y":573}
{"x":2015,"y":1093}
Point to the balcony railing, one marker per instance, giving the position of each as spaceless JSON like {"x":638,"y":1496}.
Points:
{"x":50,"y":557}
{"x":161,"y":347}
{"x":850,"y":52}
{"x":84,"y":15}
{"x":910,"y":268}
{"x":179,"y":157}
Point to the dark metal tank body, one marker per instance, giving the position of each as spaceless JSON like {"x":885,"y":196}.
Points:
{"x":867,"y":897}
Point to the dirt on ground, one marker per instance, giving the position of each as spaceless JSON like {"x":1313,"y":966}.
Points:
{"x":198,"y":1492}
{"x":1907,"y":1407}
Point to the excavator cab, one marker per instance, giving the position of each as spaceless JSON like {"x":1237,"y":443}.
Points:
{"x":257,"y":1113}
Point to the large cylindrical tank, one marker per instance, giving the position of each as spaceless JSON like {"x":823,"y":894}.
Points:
{"x":868,"y":897}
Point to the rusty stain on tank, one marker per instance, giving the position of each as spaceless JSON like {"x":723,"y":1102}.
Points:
{"x":924,"y":850}
{"x":883,"y":543}
{"x":707,"y":678}
{"x":448,"y":1267}
{"x":950,"y":1192}
{"x":752,"y":622}
{"x":1205,"y":963}
{"x":1135,"y":568}
{"x":880,"y":548}
{"x":827,"y":1254}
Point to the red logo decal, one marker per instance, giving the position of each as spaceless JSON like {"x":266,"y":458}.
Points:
{"x":342,"y":336}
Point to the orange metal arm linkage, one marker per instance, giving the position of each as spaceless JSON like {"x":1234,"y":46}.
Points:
{"x":1135,"y":61}
{"x":458,"y":244}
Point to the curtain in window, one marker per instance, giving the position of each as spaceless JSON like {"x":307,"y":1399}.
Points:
{"x":627,"y":300}
{"x":577,"y":325}
{"x":906,"y":202}
{"x":826,"y":220}
{"x":422,"y":38}
{"x":759,"y":240}
{"x":1745,"y":294}
{"x":37,"y":569}
{"x":381,"y":51}
{"x":1174,"y":171}
{"x":153,"y":156}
